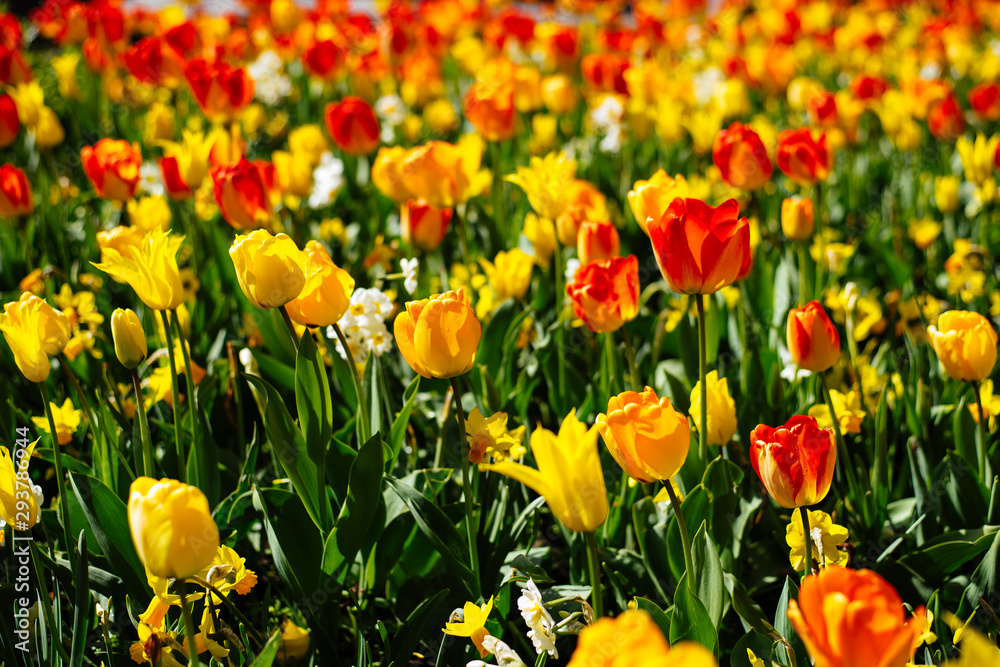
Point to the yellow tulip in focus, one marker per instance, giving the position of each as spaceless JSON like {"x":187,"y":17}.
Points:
{"x":645,"y":434}
{"x":633,"y":638}
{"x":826,"y":536}
{"x":545,"y":183}
{"x":439,"y":336}
{"x":149,"y":267}
{"x":35,"y":331}
{"x":472,"y":624}
{"x":721,"y":409}
{"x":271,"y":269}
{"x":650,"y":199}
{"x":326,"y":295}
{"x":18,"y":505}
{"x":965,"y":343}
{"x":129,"y":337}
{"x":946,"y":193}
{"x":172,"y":527}
{"x":510,"y":274}
{"x":569,"y":474}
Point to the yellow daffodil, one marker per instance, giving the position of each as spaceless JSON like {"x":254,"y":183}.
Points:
{"x":545,"y":183}
{"x":472,"y":624}
{"x":66,"y":417}
{"x":848,"y":408}
{"x":991,"y":404}
{"x":490,"y":437}
{"x":294,"y":643}
{"x":80,"y":308}
{"x":826,"y":536}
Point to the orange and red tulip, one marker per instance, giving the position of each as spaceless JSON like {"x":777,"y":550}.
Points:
{"x":112,"y":166}
{"x":597,"y":239}
{"x":742,"y":160}
{"x":813,"y":340}
{"x":423,"y":225}
{"x":802,"y":157}
{"x":222,"y":91}
{"x":242,"y":197}
{"x":15,"y":192}
{"x":352,"y":125}
{"x":605,"y":293}
{"x":984,"y":99}
{"x":795,"y":461}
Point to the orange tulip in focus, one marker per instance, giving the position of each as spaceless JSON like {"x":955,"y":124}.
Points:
{"x":795,"y":461}
{"x":605,"y":293}
{"x":112,"y":166}
{"x":352,"y":125}
{"x":241,"y":195}
{"x":854,"y":618}
{"x":645,"y":434}
{"x":597,"y":239}
{"x":700,"y":249}
{"x":326,"y":295}
{"x":803,"y":158}
{"x":10,"y":125}
{"x":741,"y":157}
{"x":650,"y":199}
{"x":423,"y":225}
{"x":15,"y":192}
{"x":812,"y":338}
{"x":489,"y":103}
{"x":222,"y":91}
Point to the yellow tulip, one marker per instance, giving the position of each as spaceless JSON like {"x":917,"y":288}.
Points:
{"x":49,"y":131}
{"x":541,"y":232}
{"x":294,"y":173}
{"x":271,"y":269}
{"x":29,"y":99}
{"x":326,"y":295}
{"x":650,"y":199}
{"x":797,"y":217}
{"x":387,"y":172}
{"x":149,"y":213}
{"x":977,"y":157}
{"x":510,"y":274}
{"x":545,"y":182}
{"x":946,"y":193}
{"x":569,"y":474}
{"x":721,"y":409}
{"x":633,"y":638}
{"x":35,"y":331}
{"x":645,"y":435}
{"x":172,"y":527}
{"x":308,"y":141}
{"x":149,"y":267}
{"x":18,"y":506}
{"x":439,"y":336}
{"x":129,"y":337}
{"x":294,"y":643}
{"x":965,"y":343}
{"x":65,"y":68}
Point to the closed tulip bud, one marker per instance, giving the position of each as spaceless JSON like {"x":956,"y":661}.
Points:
{"x":35,"y":331}
{"x":965,"y":343}
{"x":850,"y":618}
{"x":241,"y":194}
{"x":172,"y":527}
{"x":700,"y":249}
{"x":742,"y":160}
{"x":423,"y":225}
{"x":605,"y":293}
{"x":112,"y":166}
{"x":271,"y":269}
{"x":803,"y":158}
{"x":18,"y":509}
{"x":352,"y":125}
{"x":129,"y":337}
{"x":645,"y":434}
{"x":812,"y":338}
{"x":149,"y":265}
{"x":721,"y":409}
{"x":10,"y":126}
{"x":650,"y":199}
{"x":222,"y":91}
{"x":326,"y":295}
{"x":597,"y":240}
{"x":797,"y":218}
{"x":439,"y":336}
{"x":795,"y":461}
{"x":15,"y":192}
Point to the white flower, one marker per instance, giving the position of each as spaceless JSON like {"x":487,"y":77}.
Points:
{"x":272,"y":86}
{"x":572,"y":265}
{"x":538,"y":620}
{"x":706,"y":84}
{"x":505,"y":655}
{"x":409,"y":268}
{"x":789,"y":370}
{"x":149,"y":179}
{"x":364,"y":325}
{"x":392,"y":111}
{"x":607,"y":118}
{"x":328,"y":179}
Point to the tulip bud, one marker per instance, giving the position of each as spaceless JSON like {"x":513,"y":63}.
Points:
{"x":812,"y":338}
{"x":605,"y":293}
{"x":423,"y":225}
{"x":439,"y":336}
{"x":645,"y":434}
{"x":797,"y":217}
{"x":597,"y":239}
{"x":721,"y":409}
{"x":965,"y":343}
{"x":795,"y":461}
{"x":352,"y":125}
{"x":650,"y":199}
{"x":271,"y":269}
{"x":946,"y":192}
{"x":242,"y":195}
{"x":129,"y":337}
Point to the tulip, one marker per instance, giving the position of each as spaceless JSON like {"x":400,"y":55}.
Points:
{"x":633,"y":638}
{"x":294,"y":173}
{"x":741,"y":157}
{"x":49,"y":131}
{"x":645,"y":434}
{"x":812,"y":338}
{"x":977,"y":158}
{"x":29,"y":100}
{"x":489,"y":105}
{"x":35,"y":331}
{"x":439,"y":336}
{"x":650,"y":199}
{"x":443,"y":174}
{"x":984,"y":98}
{"x":511,"y":274}
{"x":112,"y":166}
{"x":185,"y":164}
{"x":965,"y":343}
{"x":352,"y":125}
{"x":326,"y":295}
{"x":721,"y":409}
{"x":308,"y":141}
{"x":15,"y":192}
{"x":795,"y":461}
{"x":387,"y":174}
{"x":423,"y":225}
{"x":946,"y":192}
{"x":854,"y":618}
{"x":559,"y":94}
{"x":271,"y":269}
{"x":222,"y":91}
{"x":150,"y":267}
{"x":241,"y":194}
{"x":944,"y":119}
{"x":129,"y":337}
{"x":569,"y":474}
{"x":152,"y":60}
{"x":323,"y":59}
{"x":596,"y":240}
{"x":700,"y":249}
{"x":605,"y":293}
{"x":546,"y":182}
{"x":172,"y":527}
{"x":18,"y":505}
{"x":797,"y":218}
{"x":10,"y":126}
{"x":583,"y":202}
{"x":119,"y":239}
{"x":802,"y":157}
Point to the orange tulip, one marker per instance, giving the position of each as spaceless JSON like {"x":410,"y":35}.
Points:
{"x":803,"y":158}
{"x":352,"y":125}
{"x":15,"y":192}
{"x":489,"y":103}
{"x":812,"y":339}
{"x":583,"y":202}
{"x":741,"y":157}
{"x":944,"y":119}
{"x":326,"y":295}
{"x":605,"y":293}
{"x":439,"y":336}
{"x":10,"y":125}
{"x":423,"y":225}
{"x":795,"y":461}
{"x":797,"y":218}
{"x":241,"y":195}
{"x":112,"y":166}
{"x":854,"y":618}
{"x":645,"y":434}
{"x":324,"y":59}
{"x":597,"y":239}
{"x":700,"y":249}
{"x":222,"y":91}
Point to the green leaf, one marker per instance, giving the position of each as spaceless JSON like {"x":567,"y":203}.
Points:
{"x":651,"y":533}
{"x":984,"y":579}
{"x":657,"y":614}
{"x":398,"y":432}
{"x":295,"y":541}
{"x":710,"y":587}
{"x":748,"y":610}
{"x":82,"y":608}
{"x":783,"y":626}
{"x":371,"y":390}
{"x":266,"y":657}
{"x":426,"y":615}
{"x":522,"y":569}
{"x":965,"y":432}
{"x":364,"y":494}
{"x":690,"y":620}
{"x":312,"y":400}
{"x":882,"y":465}
{"x":760,"y":646}
{"x":697,"y":507}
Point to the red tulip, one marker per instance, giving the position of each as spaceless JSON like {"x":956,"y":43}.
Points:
{"x":15,"y":192}
{"x":352,"y":125}
{"x":812,"y":339}
{"x":241,"y":195}
{"x":423,"y":225}
{"x":741,"y":157}
{"x":605,"y":293}
{"x":10,"y":125}
{"x":112,"y":166}
{"x":795,"y":461}
{"x":944,"y":119}
{"x":802,"y":157}
{"x":985,"y":100}
{"x":324,"y":59}
{"x":222,"y":91}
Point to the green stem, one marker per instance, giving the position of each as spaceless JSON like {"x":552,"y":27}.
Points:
{"x":45,"y":602}
{"x":610,"y":381}
{"x":113,"y":441}
{"x":356,"y":378}
{"x":821,"y":240}
{"x":594,"y":566}
{"x":498,"y":216}
{"x":192,"y":393}
{"x":702,"y":375}
{"x":804,"y":288}
{"x":233,"y":608}
{"x":178,"y":441}
{"x":560,"y":276}
{"x":463,"y":237}
{"x":439,"y":446}
{"x":842,"y":454}
{"x":983,"y":436}
{"x":675,"y":503}
{"x":147,"y":446}
{"x":192,"y":648}
{"x":807,"y":542}
{"x":470,"y":522}
{"x":290,"y":327}
{"x":635,"y":383}
{"x":57,"y":459}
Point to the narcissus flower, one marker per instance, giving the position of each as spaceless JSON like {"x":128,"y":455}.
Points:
{"x":18,"y":504}
{"x":700,"y":248}
{"x":472,"y":624}
{"x":241,"y":194}
{"x":742,"y":160}
{"x":15,"y":192}
{"x":271,"y":269}
{"x":721,"y":409}
{"x":812,"y":338}
{"x":650,"y":199}
{"x":112,"y":166}
{"x":645,"y":434}
{"x":569,"y":474}
{"x":35,"y":331}
{"x":825,"y":536}
{"x":797,"y":217}
{"x":545,"y":182}
{"x":172,"y":527}
{"x":597,"y":239}
{"x":795,"y":461}
{"x":352,"y":125}
{"x":294,"y":643}
{"x":965,"y":343}
{"x":222,"y":91}
{"x":854,"y":618}
{"x":488,"y":436}
{"x":605,"y":293}
{"x":149,"y":266}
{"x":633,"y":638}
{"x":326,"y":295}
{"x":802,"y":157}
{"x":439,"y":336}
{"x":67,"y":420}
{"x":423,"y":225}
{"x":129,"y":337}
